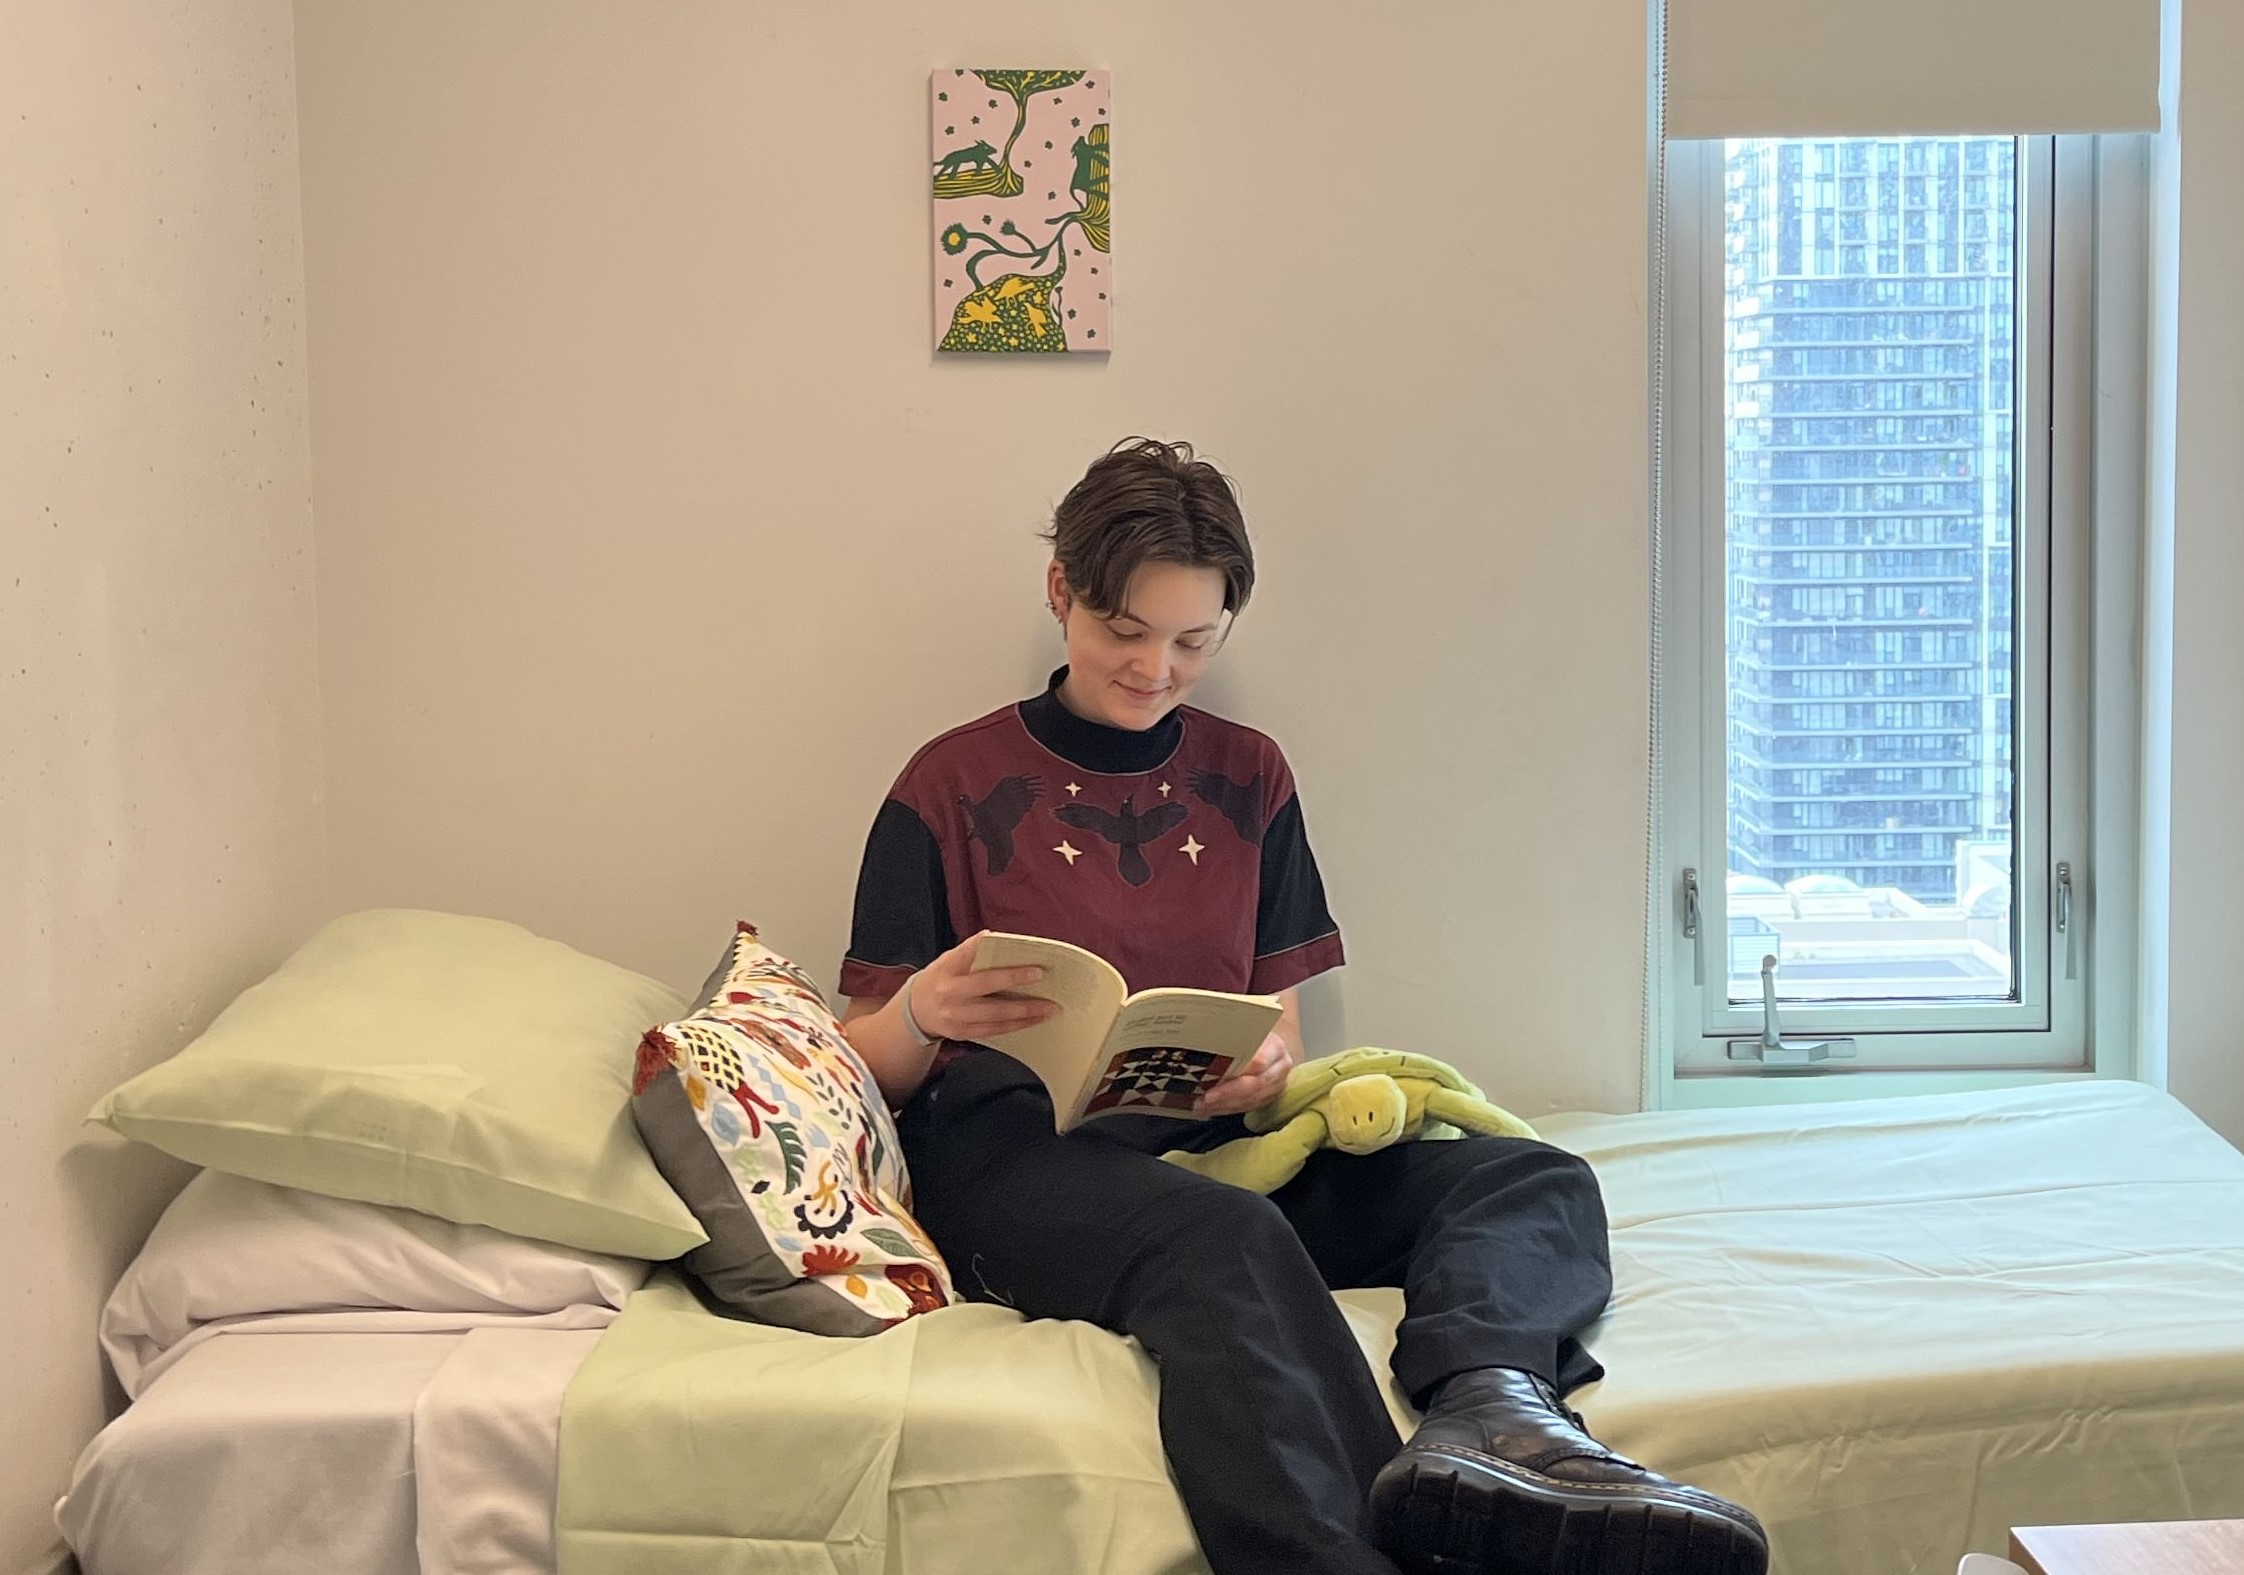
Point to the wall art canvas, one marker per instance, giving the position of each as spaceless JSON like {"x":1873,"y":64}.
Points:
{"x":1024,"y":259}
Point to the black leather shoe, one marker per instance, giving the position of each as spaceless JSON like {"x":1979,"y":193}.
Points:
{"x":1501,"y":1479}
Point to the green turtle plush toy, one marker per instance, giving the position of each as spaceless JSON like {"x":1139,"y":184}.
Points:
{"x":1359,"y":1101}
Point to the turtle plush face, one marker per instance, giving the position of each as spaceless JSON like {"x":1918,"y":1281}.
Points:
{"x":1365,"y":1114}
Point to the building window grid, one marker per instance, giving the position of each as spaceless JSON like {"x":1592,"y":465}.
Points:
{"x":1839,"y":378}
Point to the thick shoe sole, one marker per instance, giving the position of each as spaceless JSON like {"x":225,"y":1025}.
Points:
{"x":1449,"y":1514}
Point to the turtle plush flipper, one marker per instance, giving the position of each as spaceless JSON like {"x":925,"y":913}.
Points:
{"x":1261,"y":1163}
{"x":1472,"y":1114}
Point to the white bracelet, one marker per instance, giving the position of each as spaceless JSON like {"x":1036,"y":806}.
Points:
{"x":911,"y":1023}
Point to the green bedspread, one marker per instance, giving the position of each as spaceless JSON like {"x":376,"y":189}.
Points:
{"x":969,"y":1439}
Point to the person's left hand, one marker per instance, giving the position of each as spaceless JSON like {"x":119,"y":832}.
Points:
{"x":1251,"y":1086}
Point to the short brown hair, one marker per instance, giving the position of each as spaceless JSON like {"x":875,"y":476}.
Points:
{"x":1145,"y":501}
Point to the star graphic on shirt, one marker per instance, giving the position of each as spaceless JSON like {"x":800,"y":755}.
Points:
{"x":1193,"y":848}
{"x":1072,"y":790}
{"x":1071,"y":853}
{"x":1165,"y":790}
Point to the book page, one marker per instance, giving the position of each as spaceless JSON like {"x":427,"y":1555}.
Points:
{"x":1169,"y":1046}
{"x":1082,"y":984}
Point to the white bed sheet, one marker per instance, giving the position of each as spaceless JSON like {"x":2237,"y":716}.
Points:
{"x":274,"y":1453}
{"x":486,"y":1451}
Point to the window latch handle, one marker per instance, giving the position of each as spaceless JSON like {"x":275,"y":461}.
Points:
{"x":2064,"y":918}
{"x":1694,"y":926}
{"x":1772,"y":1048}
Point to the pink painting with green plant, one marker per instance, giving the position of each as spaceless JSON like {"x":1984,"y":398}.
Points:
{"x":1022,"y":184}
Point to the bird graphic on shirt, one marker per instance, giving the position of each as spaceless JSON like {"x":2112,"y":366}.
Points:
{"x":991,"y":821}
{"x":1128,"y":830}
{"x":1238,"y":802}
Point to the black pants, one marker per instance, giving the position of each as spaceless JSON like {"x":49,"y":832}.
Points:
{"x":1272,"y":1421}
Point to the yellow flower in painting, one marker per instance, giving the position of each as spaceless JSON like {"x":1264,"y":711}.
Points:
{"x":954,"y":239}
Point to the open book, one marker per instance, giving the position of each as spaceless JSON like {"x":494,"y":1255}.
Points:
{"x":1108,"y":1052}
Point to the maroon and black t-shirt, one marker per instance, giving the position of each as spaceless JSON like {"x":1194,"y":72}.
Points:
{"x":1176,"y":853}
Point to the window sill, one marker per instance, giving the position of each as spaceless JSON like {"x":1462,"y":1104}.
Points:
{"x":1802,"y":1088}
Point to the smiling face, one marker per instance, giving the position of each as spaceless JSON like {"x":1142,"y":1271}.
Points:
{"x":1150,"y":563}
{"x":1131,"y":667}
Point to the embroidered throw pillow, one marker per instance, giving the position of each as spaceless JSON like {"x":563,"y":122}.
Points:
{"x":766,"y":1123}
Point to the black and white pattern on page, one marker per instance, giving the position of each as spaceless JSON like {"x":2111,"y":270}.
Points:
{"x":1156,"y":1079}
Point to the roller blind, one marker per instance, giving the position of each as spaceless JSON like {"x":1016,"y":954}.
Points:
{"x":1804,"y":68}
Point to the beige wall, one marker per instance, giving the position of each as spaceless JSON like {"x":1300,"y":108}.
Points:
{"x":653,"y":537}
{"x":160,"y":835}
{"x":2205,"y":984}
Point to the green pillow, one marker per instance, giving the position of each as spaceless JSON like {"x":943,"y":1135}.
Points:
{"x":462,"y":1067}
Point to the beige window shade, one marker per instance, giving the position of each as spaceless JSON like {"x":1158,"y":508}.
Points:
{"x":1775,"y":68}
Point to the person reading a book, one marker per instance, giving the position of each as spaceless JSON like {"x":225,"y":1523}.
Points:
{"x":1108,"y":814}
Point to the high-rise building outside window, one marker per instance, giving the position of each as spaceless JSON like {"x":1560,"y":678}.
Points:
{"x":1823,"y":603}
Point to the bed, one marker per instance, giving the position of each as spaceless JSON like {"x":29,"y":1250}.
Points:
{"x":1893,"y":1328}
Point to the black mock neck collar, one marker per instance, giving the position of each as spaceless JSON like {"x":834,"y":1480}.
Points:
{"x":1093,"y":746}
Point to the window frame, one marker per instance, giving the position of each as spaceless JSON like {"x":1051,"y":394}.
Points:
{"x":2078,"y":438}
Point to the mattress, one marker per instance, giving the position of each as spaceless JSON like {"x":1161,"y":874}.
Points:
{"x":1893,"y":1328}
{"x":1898,"y":1327}
{"x":261,"y":1453}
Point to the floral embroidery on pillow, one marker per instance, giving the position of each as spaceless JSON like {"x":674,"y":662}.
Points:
{"x":806,"y":1141}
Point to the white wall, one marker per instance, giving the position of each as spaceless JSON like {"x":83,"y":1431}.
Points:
{"x":2204,"y":998}
{"x":160,"y":833}
{"x":653,"y":537}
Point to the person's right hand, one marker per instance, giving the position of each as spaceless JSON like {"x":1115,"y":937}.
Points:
{"x":951,"y":999}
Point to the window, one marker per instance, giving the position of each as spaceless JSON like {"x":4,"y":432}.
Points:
{"x":1877,"y":663}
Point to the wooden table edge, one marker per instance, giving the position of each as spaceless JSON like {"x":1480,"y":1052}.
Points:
{"x":2130,"y":1548}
